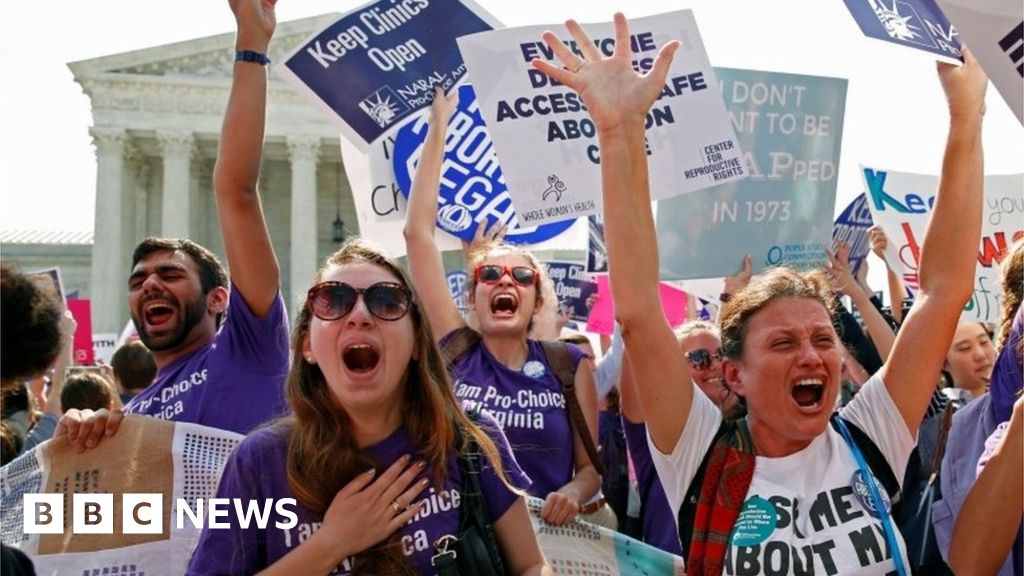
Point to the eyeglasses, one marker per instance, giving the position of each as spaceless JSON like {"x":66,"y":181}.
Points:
{"x":334,"y":300}
{"x":492,"y":273}
{"x":701,"y":358}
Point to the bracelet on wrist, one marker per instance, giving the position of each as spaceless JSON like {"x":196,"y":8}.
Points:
{"x":252,"y":56}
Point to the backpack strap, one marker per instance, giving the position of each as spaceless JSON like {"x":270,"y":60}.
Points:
{"x":460,"y":341}
{"x":873,"y":457}
{"x":560,"y":362}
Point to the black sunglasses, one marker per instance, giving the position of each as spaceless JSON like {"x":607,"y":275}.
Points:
{"x":701,"y":358}
{"x":492,"y":273}
{"x":334,"y":300}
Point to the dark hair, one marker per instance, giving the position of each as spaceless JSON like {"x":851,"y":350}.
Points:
{"x":30,"y":324}
{"x":86,"y":391}
{"x":323,"y":455}
{"x":134,"y":366}
{"x":211,"y":271}
{"x":764,"y":289}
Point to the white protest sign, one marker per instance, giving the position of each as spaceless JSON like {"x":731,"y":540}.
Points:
{"x":547,"y":143}
{"x":994,"y":31}
{"x":103,"y":346}
{"x":901,"y":203}
{"x":380,"y":205}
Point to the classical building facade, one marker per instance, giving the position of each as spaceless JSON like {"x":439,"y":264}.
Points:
{"x":157,"y":115}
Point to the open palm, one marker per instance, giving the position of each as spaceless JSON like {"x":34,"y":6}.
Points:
{"x":615,"y":94}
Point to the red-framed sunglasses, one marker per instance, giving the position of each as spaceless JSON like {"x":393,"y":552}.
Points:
{"x":492,"y":273}
{"x":334,"y":300}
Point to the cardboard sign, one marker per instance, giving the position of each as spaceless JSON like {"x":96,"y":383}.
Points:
{"x":379,"y":64}
{"x":81,"y":309}
{"x":472,"y":188}
{"x":852,"y":227}
{"x":573,"y":286}
{"x":994,"y":29}
{"x":901,"y":203}
{"x":602,"y":315}
{"x":548,"y":143}
{"x":791,"y":127}
{"x":917,"y":24}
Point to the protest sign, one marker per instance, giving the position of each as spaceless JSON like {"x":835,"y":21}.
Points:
{"x":49,"y":279}
{"x":791,"y":127}
{"x":103,"y":346}
{"x":573,"y":286}
{"x":994,"y":30}
{"x":380,"y":63}
{"x":851,"y":227}
{"x":584,"y":549}
{"x":918,"y":24}
{"x":901,"y":203}
{"x":472,"y":188}
{"x":545,"y":137}
{"x":602,"y":315}
{"x":380,"y":206}
{"x":458,"y":285}
{"x":147,"y":455}
{"x":81,"y":309}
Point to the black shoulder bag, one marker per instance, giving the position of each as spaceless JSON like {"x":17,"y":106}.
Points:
{"x":475,"y":550}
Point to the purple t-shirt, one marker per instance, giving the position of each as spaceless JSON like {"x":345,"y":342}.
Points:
{"x":529,"y":407}
{"x":257,"y":470}
{"x":236,"y":382}
{"x":659,"y":523}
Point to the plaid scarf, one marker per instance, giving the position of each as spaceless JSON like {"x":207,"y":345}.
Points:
{"x":730,"y":470}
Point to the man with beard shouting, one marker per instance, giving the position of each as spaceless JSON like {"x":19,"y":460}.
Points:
{"x":231,"y":376}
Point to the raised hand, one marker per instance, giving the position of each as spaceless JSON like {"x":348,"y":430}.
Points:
{"x":443,"y":106}
{"x":879,"y":241}
{"x":616,"y":95}
{"x":839,"y":273}
{"x":964,"y":85}
{"x":256,"y":23}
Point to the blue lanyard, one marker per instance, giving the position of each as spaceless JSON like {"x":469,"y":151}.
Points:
{"x":869,"y":479}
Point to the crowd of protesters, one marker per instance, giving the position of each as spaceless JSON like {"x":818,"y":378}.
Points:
{"x":370,"y":407}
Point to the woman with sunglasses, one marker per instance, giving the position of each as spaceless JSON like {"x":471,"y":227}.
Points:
{"x":793,"y":484}
{"x":504,"y":371}
{"x":371,"y":449}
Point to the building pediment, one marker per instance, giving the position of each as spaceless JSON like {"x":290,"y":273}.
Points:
{"x":202,"y":58}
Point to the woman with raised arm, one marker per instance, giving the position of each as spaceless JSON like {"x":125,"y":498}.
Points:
{"x":781,"y":490}
{"x":499,"y":368}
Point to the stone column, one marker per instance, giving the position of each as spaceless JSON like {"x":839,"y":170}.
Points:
{"x":304,"y":153}
{"x":176,"y":147}
{"x":107,"y":287}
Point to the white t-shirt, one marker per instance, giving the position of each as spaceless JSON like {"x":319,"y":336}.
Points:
{"x":833,"y":528}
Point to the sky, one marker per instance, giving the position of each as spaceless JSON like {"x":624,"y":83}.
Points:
{"x":895,"y":117}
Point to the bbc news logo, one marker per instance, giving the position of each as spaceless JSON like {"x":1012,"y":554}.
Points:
{"x":143,"y":513}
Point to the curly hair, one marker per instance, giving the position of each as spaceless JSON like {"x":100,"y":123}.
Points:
{"x":323,"y":455}
{"x":30,"y":324}
{"x":763,"y":289}
{"x":1012,"y":273}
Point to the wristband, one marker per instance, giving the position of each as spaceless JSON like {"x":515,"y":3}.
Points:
{"x":250,"y":56}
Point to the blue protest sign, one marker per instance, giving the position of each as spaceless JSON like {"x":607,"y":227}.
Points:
{"x":458,"y":285}
{"x":472,"y":186}
{"x":791,"y":127}
{"x":851,"y":227}
{"x":379,"y":64}
{"x":916,"y":24}
{"x":573,"y":286}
